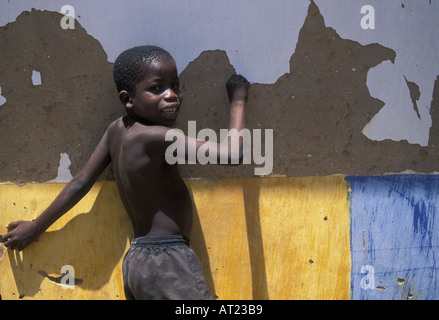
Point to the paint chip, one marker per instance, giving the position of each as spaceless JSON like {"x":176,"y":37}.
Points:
{"x":57,"y":279}
{"x":415,"y":94}
{"x":2,"y":99}
{"x":2,"y":251}
{"x":64,"y":174}
{"x":36,"y":78}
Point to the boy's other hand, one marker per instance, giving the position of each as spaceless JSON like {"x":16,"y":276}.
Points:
{"x":237,"y":88}
{"x":23,"y":233}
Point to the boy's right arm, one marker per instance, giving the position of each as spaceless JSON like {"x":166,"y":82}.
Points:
{"x":237,"y":89}
{"x":22,"y":233}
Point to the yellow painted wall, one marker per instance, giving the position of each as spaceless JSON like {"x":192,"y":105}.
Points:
{"x":92,"y":238}
{"x":259,"y":238}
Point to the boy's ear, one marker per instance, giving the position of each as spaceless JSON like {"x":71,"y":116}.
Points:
{"x":126,"y":98}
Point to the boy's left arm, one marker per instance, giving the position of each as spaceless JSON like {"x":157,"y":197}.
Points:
{"x":22,"y":233}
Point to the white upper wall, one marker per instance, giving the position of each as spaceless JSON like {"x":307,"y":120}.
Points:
{"x":260,"y":36}
{"x":410,"y":28}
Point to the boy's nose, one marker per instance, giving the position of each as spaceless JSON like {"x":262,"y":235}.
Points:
{"x":170,"y":95}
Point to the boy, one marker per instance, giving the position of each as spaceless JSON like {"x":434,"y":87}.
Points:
{"x":159,"y":263}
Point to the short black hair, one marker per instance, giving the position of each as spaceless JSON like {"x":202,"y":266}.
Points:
{"x":131,"y":63}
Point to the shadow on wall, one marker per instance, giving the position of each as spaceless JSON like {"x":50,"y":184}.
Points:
{"x":233,"y":226}
{"x":199,"y":245}
{"x":93,"y":243}
{"x":251,"y":190}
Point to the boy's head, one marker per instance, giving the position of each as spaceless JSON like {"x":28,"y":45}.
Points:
{"x":132,"y":63}
{"x":148,"y":84}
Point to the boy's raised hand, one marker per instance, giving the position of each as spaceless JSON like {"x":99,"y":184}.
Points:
{"x":23,"y":233}
{"x":237,"y":88}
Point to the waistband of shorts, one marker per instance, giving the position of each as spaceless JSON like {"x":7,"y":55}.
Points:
{"x":171,"y":239}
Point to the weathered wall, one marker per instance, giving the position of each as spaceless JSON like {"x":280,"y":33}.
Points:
{"x":277,"y":247}
{"x":67,"y":112}
{"x":92,"y":238}
{"x":317,"y":110}
{"x":394,"y":237}
{"x":347,"y":105}
{"x":290,"y":238}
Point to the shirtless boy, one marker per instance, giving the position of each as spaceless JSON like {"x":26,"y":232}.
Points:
{"x":159,"y":263}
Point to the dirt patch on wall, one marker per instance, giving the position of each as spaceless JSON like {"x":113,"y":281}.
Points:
{"x":317,"y":111}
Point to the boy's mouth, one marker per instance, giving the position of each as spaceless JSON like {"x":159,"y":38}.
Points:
{"x":171,"y":111}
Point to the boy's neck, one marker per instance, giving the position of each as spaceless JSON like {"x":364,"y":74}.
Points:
{"x":132,"y":119}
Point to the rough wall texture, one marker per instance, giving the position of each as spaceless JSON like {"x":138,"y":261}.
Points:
{"x":317,"y":110}
{"x":292,"y":238}
{"x":68,"y":112}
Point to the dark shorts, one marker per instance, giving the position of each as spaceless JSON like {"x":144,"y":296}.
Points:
{"x":163,"y":268}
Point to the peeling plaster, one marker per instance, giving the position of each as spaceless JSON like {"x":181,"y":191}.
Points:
{"x":318,"y":132}
{"x":57,"y":279}
{"x":64,"y":174}
{"x":36,"y":78}
{"x":411,"y":31}
{"x":67,"y":113}
{"x":317,"y":110}
{"x":2,"y":99}
{"x":415,"y":94}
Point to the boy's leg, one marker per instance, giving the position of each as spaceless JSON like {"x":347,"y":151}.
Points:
{"x":125,"y":270}
{"x":184,"y":279}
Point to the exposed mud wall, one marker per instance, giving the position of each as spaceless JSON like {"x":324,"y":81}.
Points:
{"x":317,"y":111}
{"x":67,"y":113}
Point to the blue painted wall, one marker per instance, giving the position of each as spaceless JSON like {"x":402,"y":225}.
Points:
{"x":394,"y":236}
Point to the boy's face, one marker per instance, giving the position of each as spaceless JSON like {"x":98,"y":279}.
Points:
{"x":158,"y":97}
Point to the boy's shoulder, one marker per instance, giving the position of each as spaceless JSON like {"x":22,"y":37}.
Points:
{"x":117,"y":126}
{"x":136,"y":131}
{"x":118,"y":122}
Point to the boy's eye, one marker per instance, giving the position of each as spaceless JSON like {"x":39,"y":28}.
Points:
{"x":158,"y":89}
{"x":155,"y":88}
